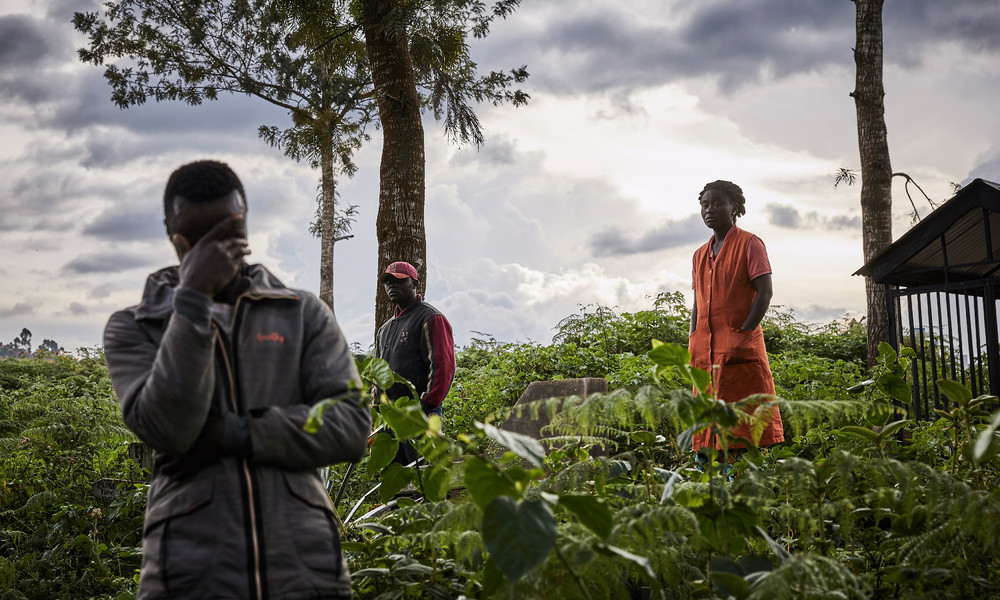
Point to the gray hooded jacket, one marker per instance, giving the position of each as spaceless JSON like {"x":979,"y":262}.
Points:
{"x":257,"y":523}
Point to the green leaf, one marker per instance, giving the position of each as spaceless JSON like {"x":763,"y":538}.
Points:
{"x":644,"y":437}
{"x":407,"y":423}
{"x":518,"y":535}
{"x":384,"y":448}
{"x":378,"y":371}
{"x":591,"y":511}
{"x":394,"y":478}
{"x":669,"y":355}
{"x":315,"y":419}
{"x":887,"y":354}
{"x":405,"y":501}
{"x":987,"y":445}
{"x":726,"y":528}
{"x":957,"y":392}
{"x":878,"y":414}
{"x":521,"y":477}
{"x":691,"y":496}
{"x":730,"y":584}
{"x":642,"y":562}
{"x":701,"y":379}
{"x":485,"y":483}
{"x":436,"y":481}
{"x":897,"y":387}
{"x":892,"y":428}
{"x":372,"y":572}
{"x":860,"y":432}
{"x":691,"y":408}
{"x":434,"y":448}
{"x":526,"y":447}
{"x":988,"y":442}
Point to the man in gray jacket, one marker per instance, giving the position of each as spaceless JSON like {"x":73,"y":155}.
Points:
{"x":216,"y":369}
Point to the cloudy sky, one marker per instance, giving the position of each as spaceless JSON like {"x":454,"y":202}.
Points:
{"x":588,"y":195}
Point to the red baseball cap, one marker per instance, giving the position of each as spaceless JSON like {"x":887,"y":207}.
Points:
{"x":401,"y":270}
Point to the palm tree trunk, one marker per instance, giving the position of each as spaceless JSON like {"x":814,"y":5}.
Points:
{"x":876,"y":170}
{"x":400,"y":220}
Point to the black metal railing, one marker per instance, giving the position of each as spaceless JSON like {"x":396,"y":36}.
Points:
{"x":953,"y":329}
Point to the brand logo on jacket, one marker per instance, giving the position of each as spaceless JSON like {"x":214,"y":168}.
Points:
{"x":274,"y":336}
{"x":404,"y":337}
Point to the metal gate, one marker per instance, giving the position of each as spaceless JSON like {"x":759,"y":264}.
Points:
{"x":953,"y":328}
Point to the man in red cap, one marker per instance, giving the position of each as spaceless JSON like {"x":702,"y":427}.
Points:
{"x":417,"y":343}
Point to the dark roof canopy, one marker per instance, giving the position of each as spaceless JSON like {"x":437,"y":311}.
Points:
{"x":959,"y":241}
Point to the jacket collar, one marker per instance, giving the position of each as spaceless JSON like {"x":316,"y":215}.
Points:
{"x":158,"y":296}
{"x":398,"y":312}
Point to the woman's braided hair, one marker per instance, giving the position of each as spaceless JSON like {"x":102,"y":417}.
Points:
{"x":731,"y":190}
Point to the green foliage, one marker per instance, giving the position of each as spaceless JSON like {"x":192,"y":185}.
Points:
{"x":60,"y":433}
{"x":861,"y":502}
{"x":621,"y":508}
{"x":596,"y":342}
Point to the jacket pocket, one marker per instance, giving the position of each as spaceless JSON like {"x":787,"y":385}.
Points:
{"x":311,"y":524}
{"x":184,"y":537}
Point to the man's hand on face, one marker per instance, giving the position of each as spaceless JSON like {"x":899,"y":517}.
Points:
{"x":215,"y":259}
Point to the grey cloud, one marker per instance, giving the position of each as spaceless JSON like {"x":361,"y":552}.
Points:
{"x":22,"y":42}
{"x":90,"y":104}
{"x":491,"y":299}
{"x":496,"y":151}
{"x":615,"y":241}
{"x":118,"y":225}
{"x":605,"y":49}
{"x":62,"y":10}
{"x":783,"y":215}
{"x":41,"y":196}
{"x":69,"y":101}
{"x":973,"y":24}
{"x":76,"y":308}
{"x":598,"y":47}
{"x":988,"y":168}
{"x":105,"y":262}
{"x":789,"y":217}
{"x":822,"y":314}
{"x":623,"y":105}
{"x":21,"y":309}
{"x":102,"y":291}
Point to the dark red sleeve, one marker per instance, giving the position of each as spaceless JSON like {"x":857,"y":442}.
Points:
{"x":441,"y":349}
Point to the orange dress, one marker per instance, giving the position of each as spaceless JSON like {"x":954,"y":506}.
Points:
{"x":724,"y":294}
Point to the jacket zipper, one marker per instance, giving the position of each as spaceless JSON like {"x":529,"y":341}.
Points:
{"x":244,"y":464}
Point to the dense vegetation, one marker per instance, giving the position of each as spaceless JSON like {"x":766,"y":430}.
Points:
{"x":858,"y":503}
{"x":60,"y":433}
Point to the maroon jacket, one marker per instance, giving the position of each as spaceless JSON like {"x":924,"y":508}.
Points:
{"x":417,"y":343}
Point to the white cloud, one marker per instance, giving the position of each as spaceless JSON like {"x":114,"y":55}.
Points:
{"x":625,"y":126}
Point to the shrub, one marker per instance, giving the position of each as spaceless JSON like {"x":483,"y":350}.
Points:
{"x":60,"y":433}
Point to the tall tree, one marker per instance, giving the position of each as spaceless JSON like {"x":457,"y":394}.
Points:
{"x":419,"y":55}
{"x":306,"y":57}
{"x":400,"y":221}
{"x":24,"y":340}
{"x":876,"y":170}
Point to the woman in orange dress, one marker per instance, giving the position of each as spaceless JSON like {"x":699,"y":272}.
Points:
{"x":732,"y":289}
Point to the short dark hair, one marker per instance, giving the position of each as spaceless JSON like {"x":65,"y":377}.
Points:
{"x":731,"y":190}
{"x":200,"y":181}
